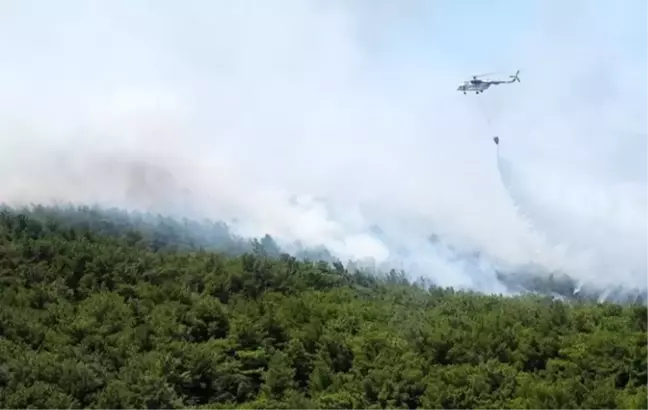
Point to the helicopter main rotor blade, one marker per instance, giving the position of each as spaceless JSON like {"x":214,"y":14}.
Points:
{"x":486,"y":74}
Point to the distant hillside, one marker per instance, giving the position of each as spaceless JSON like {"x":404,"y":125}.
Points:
{"x":155,"y":230}
{"x":163,"y":232}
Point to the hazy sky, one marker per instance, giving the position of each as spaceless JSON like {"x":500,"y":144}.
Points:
{"x":314,"y":120}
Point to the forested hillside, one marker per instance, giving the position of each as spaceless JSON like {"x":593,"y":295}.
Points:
{"x":98,"y":313}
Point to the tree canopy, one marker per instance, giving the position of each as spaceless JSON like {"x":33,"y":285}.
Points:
{"x":106,"y":313}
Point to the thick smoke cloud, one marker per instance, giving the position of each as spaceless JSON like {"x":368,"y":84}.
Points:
{"x":320,"y":122}
{"x":579,"y":171}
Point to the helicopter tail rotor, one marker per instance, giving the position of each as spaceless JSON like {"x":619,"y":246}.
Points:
{"x":515,"y":77}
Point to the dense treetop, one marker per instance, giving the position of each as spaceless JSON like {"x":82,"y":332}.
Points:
{"x":101,"y":312}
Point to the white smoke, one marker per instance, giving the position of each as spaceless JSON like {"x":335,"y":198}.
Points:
{"x":579,"y":174}
{"x":307,"y":120}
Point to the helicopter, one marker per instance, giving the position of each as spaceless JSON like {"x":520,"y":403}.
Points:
{"x":479,"y":86}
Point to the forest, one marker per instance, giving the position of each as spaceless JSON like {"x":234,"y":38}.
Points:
{"x":103,"y":311}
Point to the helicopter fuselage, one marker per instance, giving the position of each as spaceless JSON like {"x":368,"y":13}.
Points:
{"x":474,"y":85}
{"x":479,"y":86}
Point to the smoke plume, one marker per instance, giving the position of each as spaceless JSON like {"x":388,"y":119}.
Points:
{"x":338,"y":124}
